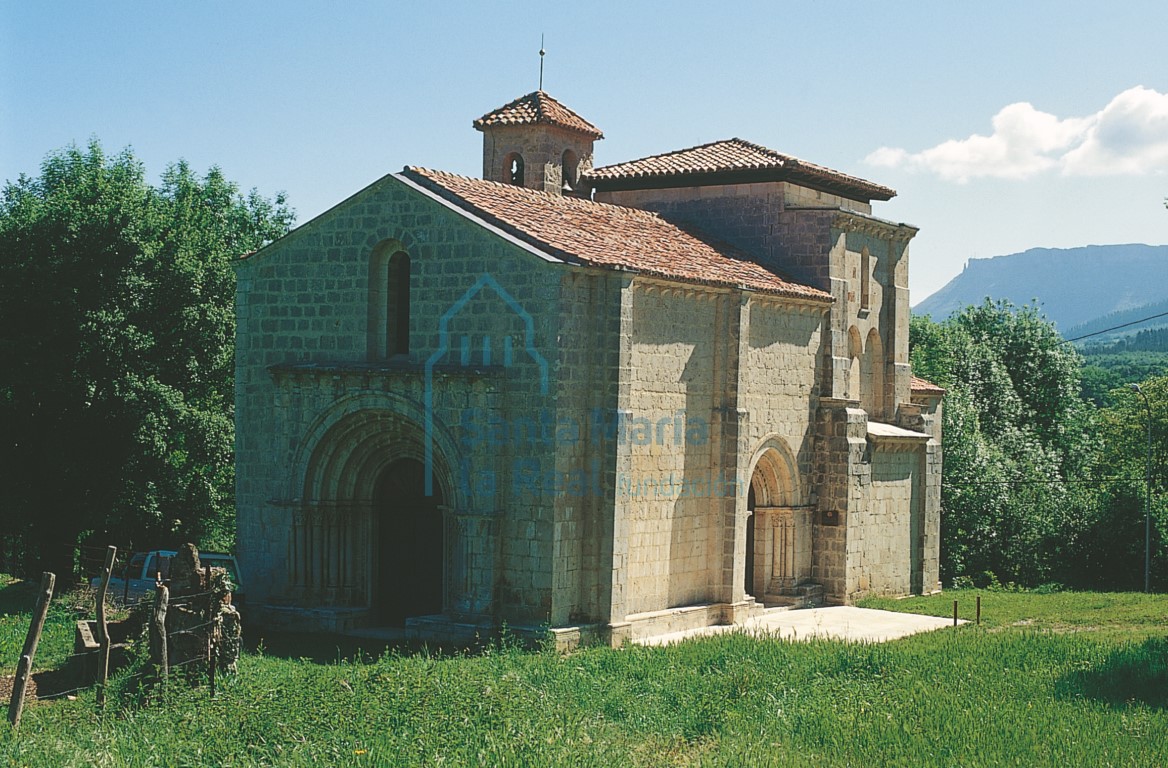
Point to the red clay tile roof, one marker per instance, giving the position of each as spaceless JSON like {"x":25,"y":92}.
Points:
{"x":611,"y":236}
{"x":917,"y":384}
{"x":538,"y":107}
{"x":734,"y":156}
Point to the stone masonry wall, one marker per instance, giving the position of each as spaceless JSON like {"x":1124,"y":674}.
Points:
{"x":878,"y":325}
{"x":779,"y":397}
{"x":796,"y":231}
{"x":777,"y":386}
{"x":881,"y":538}
{"x":748,"y":216}
{"x":588,"y":370}
{"x":304,"y":302}
{"x":542,"y":149}
{"x":663,"y":494}
{"x":741,"y":214}
{"x":714,"y":377}
{"x":932,"y":410}
{"x":842,"y":478}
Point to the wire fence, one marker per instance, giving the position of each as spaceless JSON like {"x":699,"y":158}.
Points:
{"x":144,"y":675}
{"x":185,"y":633}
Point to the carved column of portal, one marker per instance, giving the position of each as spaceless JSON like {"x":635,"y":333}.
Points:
{"x":783,"y":562}
{"x":782,"y":547}
{"x":329,"y":557}
{"x":773,"y":549}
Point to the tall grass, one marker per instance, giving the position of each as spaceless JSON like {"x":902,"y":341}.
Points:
{"x":1002,"y":694}
{"x":17,"y":600}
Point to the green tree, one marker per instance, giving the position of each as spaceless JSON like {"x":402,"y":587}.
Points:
{"x":1115,"y":557}
{"x":117,"y":331}
{"x":1014,"y":427}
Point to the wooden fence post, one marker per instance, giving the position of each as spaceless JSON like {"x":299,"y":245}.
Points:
{"x":212,"y":611}
{"x":102,"y":629}
{"x":158,"y":649}
{"x":24,"y":669}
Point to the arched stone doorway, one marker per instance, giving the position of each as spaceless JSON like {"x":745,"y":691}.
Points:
{"x":410,"y":544}
{"x":778,"y":531}
{"x":365,"y":539}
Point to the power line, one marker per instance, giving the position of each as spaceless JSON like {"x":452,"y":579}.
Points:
{"x":1115,"y":328}
{"x":1062,"y":341}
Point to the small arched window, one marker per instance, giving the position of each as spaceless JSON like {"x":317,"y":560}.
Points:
{"x":389,"y":301}
{"x":570,"y":165}
{"x":513,"y":169}
{"x":397,"y":315}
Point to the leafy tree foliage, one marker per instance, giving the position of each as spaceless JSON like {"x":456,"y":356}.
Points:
{"x":1147,"y":340}
{"x":1115,"y":558}
{"x":117,"y":330}
{"x":1118,"y":324}
{"x":1106,"y":372}
{"x":1014,"y":426}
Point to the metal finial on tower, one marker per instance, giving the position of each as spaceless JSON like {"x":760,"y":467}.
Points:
{"x":541,"y":53}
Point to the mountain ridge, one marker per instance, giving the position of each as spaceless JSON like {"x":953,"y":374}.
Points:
{"x":1090,"y":281}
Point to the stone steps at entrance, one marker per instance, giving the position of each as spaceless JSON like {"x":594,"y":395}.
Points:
{"x":427,"y":628}
{"x":802,"y":596}
{"x":440,"y":627}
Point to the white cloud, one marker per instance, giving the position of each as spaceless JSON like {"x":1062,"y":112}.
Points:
{"x":1128,"y":136}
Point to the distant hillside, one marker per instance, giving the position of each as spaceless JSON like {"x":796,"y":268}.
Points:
{"x":1127,"y":318}
{"x":1073,"y":286}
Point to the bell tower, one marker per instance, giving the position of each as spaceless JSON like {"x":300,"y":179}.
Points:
{"x":538,"y":143}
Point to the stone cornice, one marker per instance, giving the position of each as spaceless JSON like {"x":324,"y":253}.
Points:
{"x":890,"y":437}
{"x":651,"y":285}
{"x":801,"y":305}
{"x":853,"y":221}
{"x":654,"y":285}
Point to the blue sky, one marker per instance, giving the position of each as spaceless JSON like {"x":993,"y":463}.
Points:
{"x":1003,"y":125}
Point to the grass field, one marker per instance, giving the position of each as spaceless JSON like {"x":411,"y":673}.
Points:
{"x":1067,"y":679}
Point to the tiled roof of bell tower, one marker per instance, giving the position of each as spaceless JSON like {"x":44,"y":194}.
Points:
{"x":535,"y":108}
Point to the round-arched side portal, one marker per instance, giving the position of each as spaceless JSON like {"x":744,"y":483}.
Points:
{"x":774,"y":479}
{"x":771,"y":539}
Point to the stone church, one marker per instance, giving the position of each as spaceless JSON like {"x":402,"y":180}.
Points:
{"x":609,"y":402}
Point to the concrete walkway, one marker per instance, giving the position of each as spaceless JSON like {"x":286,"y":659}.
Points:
{"x":841,"y":622}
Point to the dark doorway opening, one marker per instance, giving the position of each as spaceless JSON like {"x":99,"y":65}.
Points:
{"x":410,"y":545}
{"x":748,"y":576}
